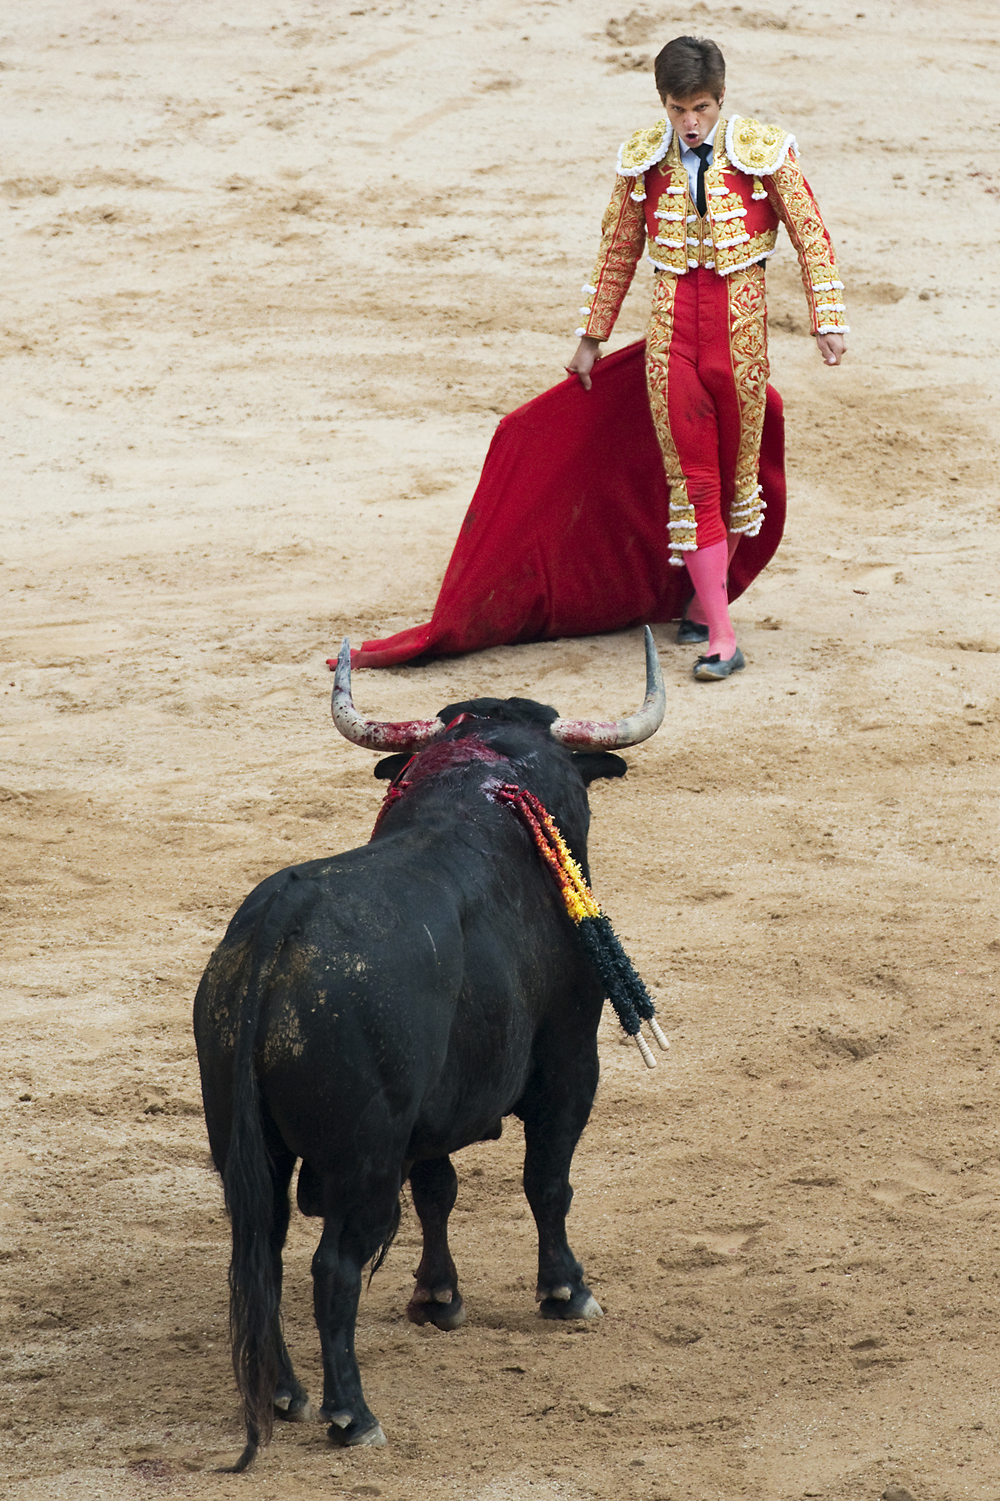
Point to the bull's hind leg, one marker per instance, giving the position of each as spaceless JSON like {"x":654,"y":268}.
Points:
{"x":436,"y":1298}
{"x":555,"y":1109}
{"x":350,"y":1240}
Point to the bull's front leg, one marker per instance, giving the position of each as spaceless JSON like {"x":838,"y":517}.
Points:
{"x":436,"y":1298}
{"x":555,"y":1111}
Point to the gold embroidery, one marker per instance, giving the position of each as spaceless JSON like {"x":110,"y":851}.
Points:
{"x":757,"y":148}
{"x":714,"y":179}
{"x":682,"y":239}
{"x":733,"y":258}
{"x":719,"y":241}
{"x":623,"y":231}
{"x":644,"y":148}
{"x":748,"y":349}
{"x":793,"y":201}
{"x":667,"y":248}
{"x":659,"y":335}
{"x":731,"y":203}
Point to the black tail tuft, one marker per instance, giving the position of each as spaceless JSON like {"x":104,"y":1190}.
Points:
{"x":386,"y":1245}
{"x":244,"y":1462}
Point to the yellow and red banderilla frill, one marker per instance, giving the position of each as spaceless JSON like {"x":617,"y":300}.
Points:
{"x":622,"y":985}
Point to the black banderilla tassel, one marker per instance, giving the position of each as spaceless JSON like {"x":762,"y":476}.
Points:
{"x":622,"y":984}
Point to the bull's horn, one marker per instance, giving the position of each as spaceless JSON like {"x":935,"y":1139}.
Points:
{"x":592,"y":734}
{"x":410,"y":735}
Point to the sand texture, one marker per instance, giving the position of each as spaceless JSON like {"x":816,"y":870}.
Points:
{"x":271,"y":274}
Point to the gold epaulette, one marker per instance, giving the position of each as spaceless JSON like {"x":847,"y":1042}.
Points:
{"x":644,"y":149}
{"x":756,"y":148}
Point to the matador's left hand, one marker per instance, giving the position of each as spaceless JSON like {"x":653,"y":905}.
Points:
{"x":832,"y":347}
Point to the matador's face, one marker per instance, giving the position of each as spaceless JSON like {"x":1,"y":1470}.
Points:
{"x":694,"y":118}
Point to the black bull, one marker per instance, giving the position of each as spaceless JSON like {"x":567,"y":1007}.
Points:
{"x":373,"y":1012}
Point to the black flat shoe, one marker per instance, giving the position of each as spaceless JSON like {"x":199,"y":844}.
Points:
{"x":713,"y":669}
{"x":690,"y":633}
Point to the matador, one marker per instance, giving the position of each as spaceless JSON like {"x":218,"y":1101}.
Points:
{"x":704,"y":195}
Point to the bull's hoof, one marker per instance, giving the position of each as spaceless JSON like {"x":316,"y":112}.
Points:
{"x":292,"y":1404}
{"x":444,"y":1309}
{"x":373,"y":1439}
{"x":583,"y":1305}
{"x":343,"y":1431}
{"x":299,"y":1410}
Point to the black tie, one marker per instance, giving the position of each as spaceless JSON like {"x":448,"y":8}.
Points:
{"x":704,"y":152}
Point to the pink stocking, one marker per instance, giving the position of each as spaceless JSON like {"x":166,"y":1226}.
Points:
{"x":708,"y":568}
{"x":694,"y":610}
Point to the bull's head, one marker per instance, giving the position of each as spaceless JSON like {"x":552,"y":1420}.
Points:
{"x":578,"y":734}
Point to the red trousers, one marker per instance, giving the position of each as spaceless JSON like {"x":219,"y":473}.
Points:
{"x":706,"y":373}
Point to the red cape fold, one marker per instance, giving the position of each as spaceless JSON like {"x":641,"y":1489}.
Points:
{"x":567,"y":531}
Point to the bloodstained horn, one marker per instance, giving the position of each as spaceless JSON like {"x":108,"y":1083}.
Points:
{"x":409,"y":735}
{"x":592,"y":734}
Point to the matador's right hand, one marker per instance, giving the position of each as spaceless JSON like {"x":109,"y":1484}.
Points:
{"x":588,"y":352}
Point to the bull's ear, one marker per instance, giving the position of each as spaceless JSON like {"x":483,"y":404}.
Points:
{"x":594,"y":764}
{"x":390,"y":766}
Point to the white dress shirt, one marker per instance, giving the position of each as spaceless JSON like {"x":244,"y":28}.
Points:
{"x":692,"y":161}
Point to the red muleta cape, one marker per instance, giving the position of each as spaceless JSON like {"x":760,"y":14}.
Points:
{"x":567,"y":531}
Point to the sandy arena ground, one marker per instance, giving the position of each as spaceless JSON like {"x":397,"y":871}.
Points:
{"x":271,"y":274}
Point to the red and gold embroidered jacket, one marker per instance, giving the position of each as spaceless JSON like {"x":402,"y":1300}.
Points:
{"x":754,"y":183}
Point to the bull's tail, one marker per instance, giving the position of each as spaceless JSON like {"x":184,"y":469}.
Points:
{"x":386,"y":1245}
{"x":251,"y":1187}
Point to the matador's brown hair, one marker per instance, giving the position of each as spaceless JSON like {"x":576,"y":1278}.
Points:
{"x":690,"y":65}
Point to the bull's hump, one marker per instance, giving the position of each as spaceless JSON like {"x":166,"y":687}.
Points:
{"x":447,"y":755}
